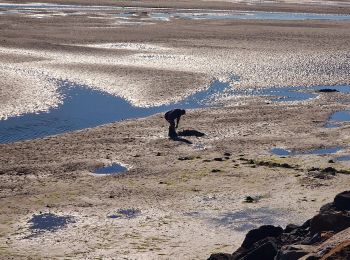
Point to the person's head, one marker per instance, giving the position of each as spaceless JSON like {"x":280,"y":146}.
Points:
{"x":183,"y":111}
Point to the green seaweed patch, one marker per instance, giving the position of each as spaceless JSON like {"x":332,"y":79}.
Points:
{"x":186,"y":158}
{"x":271,"y":164}
{"x":252,"y":199}
{"x":329,"y":170}
{"x":275,"y":164}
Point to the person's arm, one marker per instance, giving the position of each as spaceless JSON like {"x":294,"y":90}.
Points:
{"x":177,"y":122}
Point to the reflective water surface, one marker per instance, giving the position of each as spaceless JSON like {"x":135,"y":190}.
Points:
{"x":337,"y":118}
{"x":319,"y":151}
{"x":84,"y":107}
{"x":112,"y":169}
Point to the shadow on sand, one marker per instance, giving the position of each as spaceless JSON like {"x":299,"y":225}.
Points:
{"x":179,"y":139}
{"x":191,"y":133}
{"x":178,"y":136}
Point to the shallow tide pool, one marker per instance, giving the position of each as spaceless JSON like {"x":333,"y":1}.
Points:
{"x":337,"y":118}
{"x":84,"y":107}
{"x":319,"y":151}
{"x":111,"y":169}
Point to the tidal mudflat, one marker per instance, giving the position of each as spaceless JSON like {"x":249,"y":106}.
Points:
{"x":178,"y":199}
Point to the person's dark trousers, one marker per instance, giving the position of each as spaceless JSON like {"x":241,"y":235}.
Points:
{"x":172,"y":132}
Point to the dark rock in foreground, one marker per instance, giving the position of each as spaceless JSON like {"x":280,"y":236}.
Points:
{"x":325,"y":236}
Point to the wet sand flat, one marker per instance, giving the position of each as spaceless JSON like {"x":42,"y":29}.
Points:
{"x":177,"y":200}
{"x":185,"y":55}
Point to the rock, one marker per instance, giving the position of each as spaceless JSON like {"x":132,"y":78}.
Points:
{"x":342,"y":201}
{"x":215,"y":170}
{"x":185,"y":158}
{"x":227,"y":154}
{"x":220,"y":256}
{"x":327,"y":173}
{"x":249,"y":199}
{"x":250,"y":161}
{"x":263,"y":249}
{"x":218,"y":159}
{"x":336,"y":247}
{"x":289,"y":228}
{"x":286,"y":165}
{"x":312,"y":240}
{"x":327,"y":207}
{"x":261,"y":233}
{"x":266,"y":250}
{"x":329,"y":221}
{"x":325,"y":236}
{"x":293,"y":252}
{"x":290,"y":255}
{"x":274,"y":164}
{"x":329,"y":170}
{"x":339,"y":252}
{"x":294,"y":235}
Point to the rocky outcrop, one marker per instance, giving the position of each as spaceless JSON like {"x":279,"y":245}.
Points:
{"x":325,"y":236}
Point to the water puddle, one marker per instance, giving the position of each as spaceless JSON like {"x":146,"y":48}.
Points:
{"x":343,"y":158}
{"x":248,"y":219}
{"x":291,"y":94}
{"x":126,"y":213}
{"x":112,"y":169}
{"x":229,"y":15}
{"x":320,"y":151}
{"x":337,"y":118}
{"x":280,"y":152}
{"x":324,"y":151}
{"x":48,"y":222}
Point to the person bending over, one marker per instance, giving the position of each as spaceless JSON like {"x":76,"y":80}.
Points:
{"x":171,"y":116}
